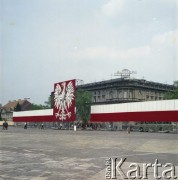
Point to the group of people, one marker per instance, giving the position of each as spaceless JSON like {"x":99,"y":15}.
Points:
{"x":41,"y":126}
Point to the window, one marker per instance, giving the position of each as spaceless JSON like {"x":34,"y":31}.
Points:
{"x":119,"y":94}
{"x":103,"y":97}
{"x":111,"y":95}
{"x":125,"y":94}
{"x":94,"y":98}
{"x":131,"y":94}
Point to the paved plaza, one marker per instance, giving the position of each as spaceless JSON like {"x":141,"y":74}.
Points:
{"x":48,"y":154}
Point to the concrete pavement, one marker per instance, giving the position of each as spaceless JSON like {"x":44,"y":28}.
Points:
{"x":64,"y":154}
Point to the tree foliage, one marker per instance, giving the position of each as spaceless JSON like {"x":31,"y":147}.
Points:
{"x":83,"y":105}
{"x":172,"y":95}
{"x":38,"y":106}
{"x":49,"y":103}
{"x":18,"y":107}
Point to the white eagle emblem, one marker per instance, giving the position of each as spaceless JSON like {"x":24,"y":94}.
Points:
{"x":63,"y":96}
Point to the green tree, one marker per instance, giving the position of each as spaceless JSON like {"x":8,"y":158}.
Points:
{"x":18,"y":107}
{"x":176,"y":83}
{"x":172,"y":95}
{"x":49,"y":103}
{"x":83,"y":105}
{"x":38,"y":107}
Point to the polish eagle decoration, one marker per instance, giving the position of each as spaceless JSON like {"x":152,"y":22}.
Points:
{"x":64,"y":101}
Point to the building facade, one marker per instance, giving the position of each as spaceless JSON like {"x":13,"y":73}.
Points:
{"x":122,"y":90}
{"x":10,"y":107}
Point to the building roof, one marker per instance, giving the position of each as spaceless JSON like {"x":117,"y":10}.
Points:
{"x":121,"y":82}
{"x":12,"y":104}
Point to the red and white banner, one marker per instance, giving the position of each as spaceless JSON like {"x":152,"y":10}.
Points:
{"x":44,"y":115}
{"x":165,"y":110}
{"x":149,"y":111}
{"x":64,"y":101}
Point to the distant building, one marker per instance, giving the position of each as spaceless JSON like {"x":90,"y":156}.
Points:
{"x":7,"y":110}
{"x":122,"y":90}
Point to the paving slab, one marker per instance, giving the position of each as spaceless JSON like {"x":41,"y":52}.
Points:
{"x":65,"y":154}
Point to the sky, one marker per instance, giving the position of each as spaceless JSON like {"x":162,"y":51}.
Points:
{"x":43,"y":42}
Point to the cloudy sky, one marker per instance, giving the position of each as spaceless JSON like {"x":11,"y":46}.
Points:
{"x":48,"y":41}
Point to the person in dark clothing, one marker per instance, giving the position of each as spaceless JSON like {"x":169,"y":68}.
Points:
{"x":5,"y":125}
{"x":25,"y":126}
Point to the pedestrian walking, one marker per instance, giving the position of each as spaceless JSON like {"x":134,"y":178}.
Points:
{"x":25,"y":126}
{"x":42,"y":126}
{"x":5,"y":125}
{"x":128,"y":129}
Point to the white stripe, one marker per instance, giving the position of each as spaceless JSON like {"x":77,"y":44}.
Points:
{"x":44,"y":112}
{"x":163,"y":105}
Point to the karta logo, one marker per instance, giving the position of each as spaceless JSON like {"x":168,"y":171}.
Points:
{"x":64,"y":101}
{"x":138,"y":171}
